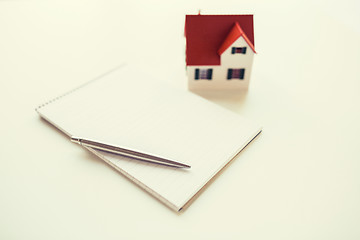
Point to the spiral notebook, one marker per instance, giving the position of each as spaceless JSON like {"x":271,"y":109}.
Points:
{"x":129,"y":109}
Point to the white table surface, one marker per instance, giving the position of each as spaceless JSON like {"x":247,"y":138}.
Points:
{"x":300,"y":179}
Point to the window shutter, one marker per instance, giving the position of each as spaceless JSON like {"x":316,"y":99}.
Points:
{"x":196,"y":74}
{"x":209,"y":74}
{"x":229,"y":74}
{"x":242,"y":73}
{"x":233,"y":50}
{"x":244,"y":50}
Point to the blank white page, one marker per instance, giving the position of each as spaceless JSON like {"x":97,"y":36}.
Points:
{"x":126,"y":108}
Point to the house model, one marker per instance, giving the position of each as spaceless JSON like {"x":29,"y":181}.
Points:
{"x":219,"y":51}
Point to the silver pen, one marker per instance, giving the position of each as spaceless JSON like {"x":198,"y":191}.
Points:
{"x":127,"y":152}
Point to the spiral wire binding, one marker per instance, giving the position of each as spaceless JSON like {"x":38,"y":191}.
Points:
{"x":79,"y":87}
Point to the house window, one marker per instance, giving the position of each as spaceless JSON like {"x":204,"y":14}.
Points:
{"x":235,"y":50}
{"x":236,"y":73}
{"x":203,"y":73}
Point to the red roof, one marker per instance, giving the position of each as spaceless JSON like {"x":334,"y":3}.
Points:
{"x":209,"y":35}
{"x":234,"y":34}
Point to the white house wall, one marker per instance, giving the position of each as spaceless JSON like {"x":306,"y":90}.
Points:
{"x":219,"y":76}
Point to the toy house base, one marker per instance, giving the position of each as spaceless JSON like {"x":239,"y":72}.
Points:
{"x":218,"y":83}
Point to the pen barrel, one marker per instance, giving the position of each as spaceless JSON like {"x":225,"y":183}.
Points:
{"x":128,"y":153}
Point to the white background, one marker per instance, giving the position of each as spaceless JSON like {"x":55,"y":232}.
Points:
{"x":300,"y":179}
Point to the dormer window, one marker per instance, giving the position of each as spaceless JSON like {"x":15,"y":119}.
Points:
{"x":236,"y":50}
{"x":203,"y":73}
{"x":236,"y":73}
